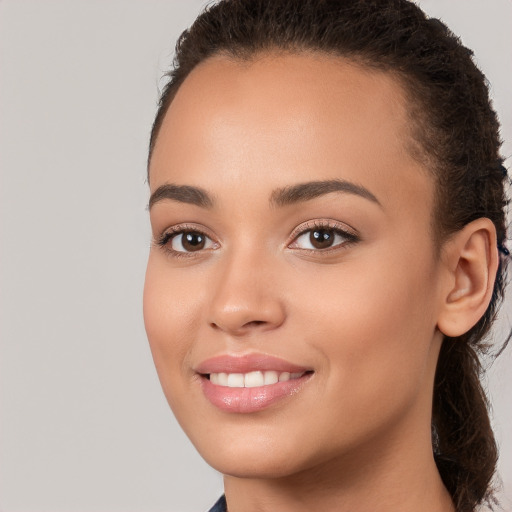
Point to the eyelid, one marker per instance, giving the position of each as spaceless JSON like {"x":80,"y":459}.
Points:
{"x":347,"y":231}
{"x":343,"y":229}
{"x":162,"y":240}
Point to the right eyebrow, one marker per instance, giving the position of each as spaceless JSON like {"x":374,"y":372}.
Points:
{"x":181,"y":193}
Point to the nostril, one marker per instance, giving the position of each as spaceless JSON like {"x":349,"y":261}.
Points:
{"x":243,"y":328}
{"x":243,"y":318}
{"x":255,"y":322}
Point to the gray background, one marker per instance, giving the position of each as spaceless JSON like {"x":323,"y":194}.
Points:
{"x":84,"y":425}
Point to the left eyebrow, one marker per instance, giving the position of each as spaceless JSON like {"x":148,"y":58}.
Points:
{"x":306,"y":191}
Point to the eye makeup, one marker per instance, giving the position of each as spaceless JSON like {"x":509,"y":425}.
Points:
{"x":322,"y":236}
{"x":185,"y":241}
{"x":316,"y":237}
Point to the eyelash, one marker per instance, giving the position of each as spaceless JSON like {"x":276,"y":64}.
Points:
{"x":339,"y":229}
{"x":169,"y":234}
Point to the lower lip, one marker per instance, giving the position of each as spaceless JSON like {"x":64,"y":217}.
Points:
{"x":246,"y":400}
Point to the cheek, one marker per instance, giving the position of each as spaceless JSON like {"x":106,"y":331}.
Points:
{"x":374,"y":325}
{"x":170,"y":316}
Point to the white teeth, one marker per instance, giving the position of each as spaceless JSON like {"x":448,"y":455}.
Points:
{"x":284,"y":376}
{"x":223,"y":379}
{"x":252,"y":379}
{"x":236,"y":380}
{"x":271,"y":377}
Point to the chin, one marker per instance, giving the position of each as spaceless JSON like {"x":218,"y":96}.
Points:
{"x":252,"y":456}
{"x":260,"y":467}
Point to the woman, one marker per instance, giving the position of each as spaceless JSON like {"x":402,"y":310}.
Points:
{"x":328,"y":213}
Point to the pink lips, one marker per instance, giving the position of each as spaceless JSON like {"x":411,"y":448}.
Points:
{"x":249,"y":399}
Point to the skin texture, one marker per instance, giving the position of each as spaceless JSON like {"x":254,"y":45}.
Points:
{"x":365,"y":316}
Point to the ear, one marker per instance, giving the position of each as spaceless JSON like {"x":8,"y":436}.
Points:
{"x":470,"y":259}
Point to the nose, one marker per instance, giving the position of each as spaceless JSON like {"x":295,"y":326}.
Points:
{"x":246,"y":297}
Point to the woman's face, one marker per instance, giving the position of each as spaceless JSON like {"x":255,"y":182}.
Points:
{"x":292,"y":243}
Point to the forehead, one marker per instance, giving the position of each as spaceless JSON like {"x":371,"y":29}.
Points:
{"x":284,"y":118}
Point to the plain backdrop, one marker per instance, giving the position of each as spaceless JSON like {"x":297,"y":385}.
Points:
{"x":84,"y":425}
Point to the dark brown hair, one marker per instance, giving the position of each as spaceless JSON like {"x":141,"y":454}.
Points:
{"x":456,"y":135}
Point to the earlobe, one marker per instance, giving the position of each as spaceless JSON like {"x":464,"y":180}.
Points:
{"x":471,"y":262}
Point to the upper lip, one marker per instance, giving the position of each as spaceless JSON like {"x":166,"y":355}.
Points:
{"x":228,"y":363}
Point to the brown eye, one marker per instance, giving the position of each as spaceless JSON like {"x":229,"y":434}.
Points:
{"x":322,"y":238}
{"x":189,"y":241}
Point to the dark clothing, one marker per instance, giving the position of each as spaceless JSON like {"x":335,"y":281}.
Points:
{"x":220,"y":506}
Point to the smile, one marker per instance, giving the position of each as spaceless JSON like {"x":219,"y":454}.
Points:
{"x":252,"y":379}
{"x":250,"y":383}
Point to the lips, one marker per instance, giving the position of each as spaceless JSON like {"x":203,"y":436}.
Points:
{"x":250,"y":383}
{"x":247,"y":363}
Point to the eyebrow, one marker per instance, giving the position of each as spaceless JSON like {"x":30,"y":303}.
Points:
{"x":280,"y":197}
{"x":311,"y":189}
{"x":183,"y":194}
